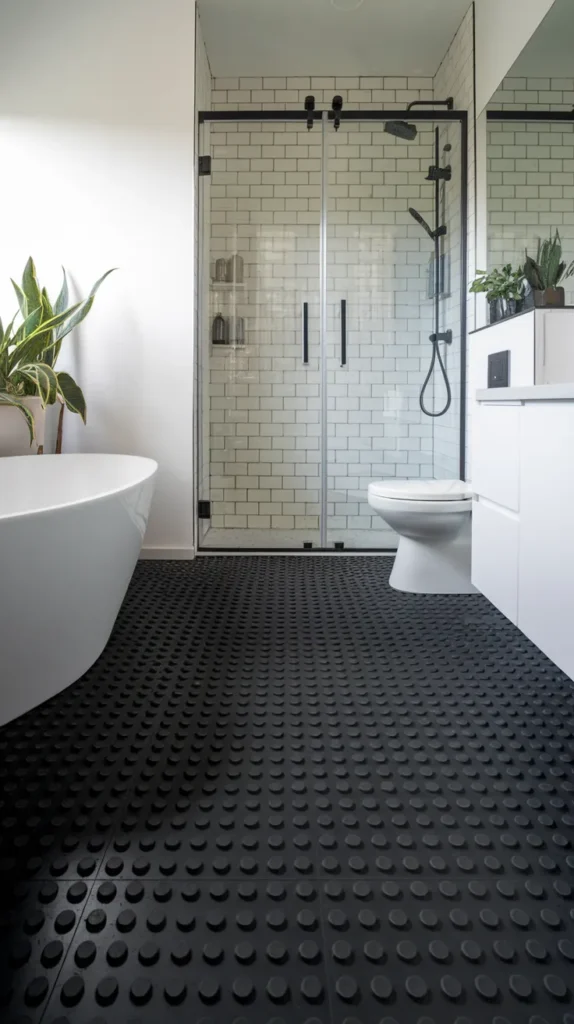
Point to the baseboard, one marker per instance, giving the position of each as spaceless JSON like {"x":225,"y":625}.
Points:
{"x":168,"y":554}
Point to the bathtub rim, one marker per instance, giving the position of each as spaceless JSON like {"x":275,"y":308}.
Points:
{"x":151,"y":470}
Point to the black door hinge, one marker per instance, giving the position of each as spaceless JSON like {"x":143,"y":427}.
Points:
{"x":204,"y":165}
{"x":204,"y":509}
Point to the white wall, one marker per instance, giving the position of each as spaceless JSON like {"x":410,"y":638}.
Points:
{"x":97,"y":154}
{"x":503,"y":27}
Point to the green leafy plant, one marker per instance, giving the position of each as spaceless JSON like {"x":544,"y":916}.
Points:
{"x":548,"y":269}
{"x":500,"y":283}
{"x":31,"y":343}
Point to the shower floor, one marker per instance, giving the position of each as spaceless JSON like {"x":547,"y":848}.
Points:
{"x":287,"y":794}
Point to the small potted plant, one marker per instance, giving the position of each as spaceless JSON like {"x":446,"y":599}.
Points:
{"x":545,"y":273}
{"x":29,"y":350}
{"x":504,"y":290}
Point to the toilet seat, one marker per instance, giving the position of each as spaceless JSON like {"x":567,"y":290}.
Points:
{"x":422,"y":490}
{"x":433,"y":497}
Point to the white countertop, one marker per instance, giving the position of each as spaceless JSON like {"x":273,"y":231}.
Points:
{"x":534,"y":393}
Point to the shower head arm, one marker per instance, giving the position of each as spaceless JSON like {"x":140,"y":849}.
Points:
{"x":448,"y":103}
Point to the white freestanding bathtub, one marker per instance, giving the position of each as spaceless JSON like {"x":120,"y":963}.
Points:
{"x":71,"y":529}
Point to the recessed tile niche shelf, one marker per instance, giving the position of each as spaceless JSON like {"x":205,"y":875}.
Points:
{"x":227,"y":286}
{"x":217,"y":346}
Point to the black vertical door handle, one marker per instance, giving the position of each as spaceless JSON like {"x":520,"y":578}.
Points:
{"x":305,"y":333}
{"x":343,"y":332}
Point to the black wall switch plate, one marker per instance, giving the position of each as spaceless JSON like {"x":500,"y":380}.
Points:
{"x":499,"y":369}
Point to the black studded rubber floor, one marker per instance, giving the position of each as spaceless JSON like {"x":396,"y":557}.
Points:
{"x":287,"y":794}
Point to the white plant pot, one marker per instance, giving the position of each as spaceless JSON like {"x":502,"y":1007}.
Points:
{"x":14,"y":434}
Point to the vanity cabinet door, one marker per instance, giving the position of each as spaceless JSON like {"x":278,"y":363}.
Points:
{"x":546,"y":559}
{"x":495,"y":538}
{"x":496,"y":453}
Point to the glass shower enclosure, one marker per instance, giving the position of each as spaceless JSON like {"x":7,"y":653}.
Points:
{"x":332,"y":275}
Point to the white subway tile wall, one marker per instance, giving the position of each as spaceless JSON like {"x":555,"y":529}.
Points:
{"x":289,"y":93}
{"x":264,"y":404}
{"x":265,"y":207}
{"x":378,"y":261}
{"x":534,"y":94}
{"x":530,"y":173}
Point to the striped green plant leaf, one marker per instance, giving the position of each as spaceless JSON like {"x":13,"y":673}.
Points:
{"x":30,"y":377}
{"x":22,"y":300}
{"x":38,"y":341}
{"x":76,"y":319}
{"x":48,"y":312}
{"x":7,"y":335}
{"x":59,"y":318}
{"x":45,"y":380}
{"x":61,"y":302}
{"x":8,"y":399}
{"x":102,"y":279}
{"x":25,"y":330}
{"x":72,"y":394}
{"x":30,"y":285}
{"x":52,"y":382}
{"x":50,"y":354}
{"x":85,"y":309}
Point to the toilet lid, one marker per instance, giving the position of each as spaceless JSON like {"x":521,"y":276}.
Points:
{"x":422,"y":490}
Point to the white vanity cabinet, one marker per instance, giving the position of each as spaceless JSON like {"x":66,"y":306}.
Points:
{"x":546,"y":559}
{"x":523,"y":511}
{"x":540,"y":346}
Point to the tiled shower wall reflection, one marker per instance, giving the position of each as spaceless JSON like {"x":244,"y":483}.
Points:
{"x":530,"y":172}
{"x":264,"y":404}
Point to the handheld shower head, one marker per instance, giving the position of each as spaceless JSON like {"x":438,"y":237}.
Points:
{"x":401,"y":129}
{"x":420,"y":220}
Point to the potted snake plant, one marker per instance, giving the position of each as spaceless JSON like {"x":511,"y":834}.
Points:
{"x":29,"y":350}
{"x":545,"y":273}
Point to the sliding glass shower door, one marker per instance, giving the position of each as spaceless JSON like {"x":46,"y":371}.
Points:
{"x":381,"y":314}
{"x":261,"y":336}
{"x":330,"y":260}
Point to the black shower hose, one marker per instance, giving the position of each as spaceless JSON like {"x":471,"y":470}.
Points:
{"x":436,"y":355}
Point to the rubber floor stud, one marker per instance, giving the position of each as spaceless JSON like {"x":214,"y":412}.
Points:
{"x":287,"y":794}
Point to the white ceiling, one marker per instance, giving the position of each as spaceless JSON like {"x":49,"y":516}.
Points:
{"x":550,"y":51}
{"x":328,"y":37}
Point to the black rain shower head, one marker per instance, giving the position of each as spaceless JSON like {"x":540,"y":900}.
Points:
{"x":401,"y":130}
{"x":420,"y":220}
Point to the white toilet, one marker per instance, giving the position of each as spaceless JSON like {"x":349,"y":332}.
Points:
{"x":432,"y":519}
